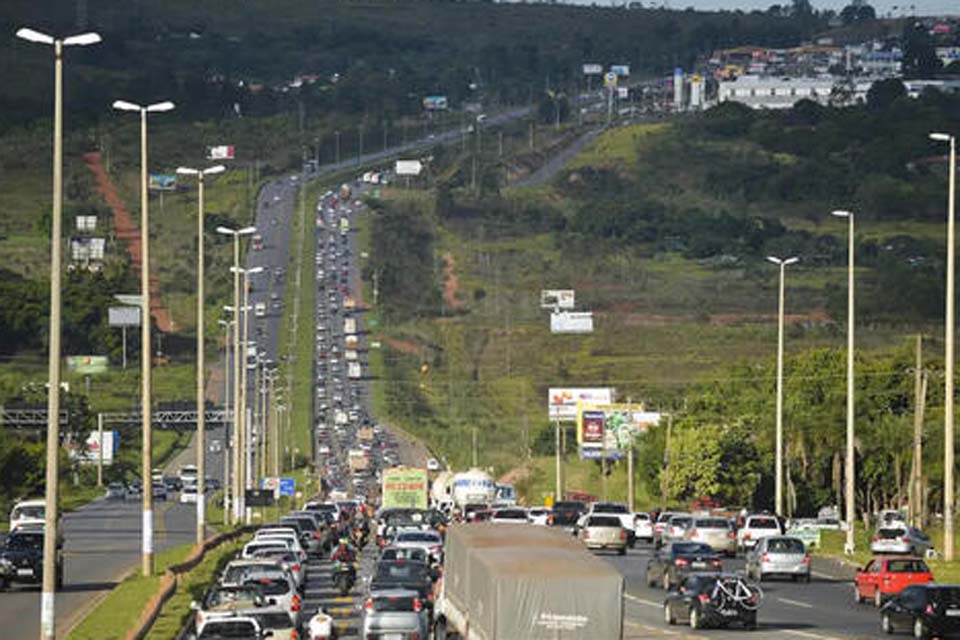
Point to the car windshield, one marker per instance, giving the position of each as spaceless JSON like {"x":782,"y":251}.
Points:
{"x":219,"y":597}
{"x":416,"y":536}
{"x":907,"y":566}
{"x":404,"y":554}
{"x":711,"y":523}
{"x":233,"y":629}
{"x":604,"y":521}
{"x":763,"y":523}
{"x":568,"y":506}
{"x":510,"y":514}
{"x":889,"y":534}
{"x":949,"y":596}
{"x":243,"y":573}
{"x":785,"y":545}
{"x":270,"y":586}
{"x":680,"y":521}
{"x":30,"y":511}
{"x":394,"y":603}
{"x":690,"y":548}
{"x":606,"y":507}
{"x":401,"y":571}
{"x":25,"y":541}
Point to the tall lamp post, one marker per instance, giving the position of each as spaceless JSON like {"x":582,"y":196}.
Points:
{"x":778,"y":481}
{"x":145,"y":324}
{"x":948,"y":356}
{"x":225,"y":453}
{"x":237,"y":357}
{"x":47,"y":607}
{"x":244,"y":425}
{"x":201,"y":406}
{"x":849,"y":469}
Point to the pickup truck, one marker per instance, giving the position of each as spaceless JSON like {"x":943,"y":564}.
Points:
{"x":21,"y":558}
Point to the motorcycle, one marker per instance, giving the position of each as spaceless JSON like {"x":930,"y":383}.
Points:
{"x":344,"y":577}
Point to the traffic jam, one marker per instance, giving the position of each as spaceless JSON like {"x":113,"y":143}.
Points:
{"x":398,"y":548}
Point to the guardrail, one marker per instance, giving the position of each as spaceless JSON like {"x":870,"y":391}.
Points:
{"x":171,"y":581}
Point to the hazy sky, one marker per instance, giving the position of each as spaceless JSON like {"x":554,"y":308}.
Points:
{"x":923,"y":7}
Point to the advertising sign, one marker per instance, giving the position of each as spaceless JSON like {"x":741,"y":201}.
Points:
{"x":221,"y":152}
{"x":408,"y":167}
{"x":258,"y":497}
{"x":85,"y":249}
{"x":623,"y":93}
{"x":405,"y":487}
{"x":162,"y":182}
{"x":123,"y":316}
{"x":556,"y":298}
{"x":87,"y":364}
{"x":435,"y":103}
{"x":610,"y":80}
{"x":86,"y":223}
{"x":571,"y":322}
{"x":592,"y":69}
{"x":622,"y":70}
{"x":612,"y":427}
{"x":91,"y":452}
{"x":562,"y":401}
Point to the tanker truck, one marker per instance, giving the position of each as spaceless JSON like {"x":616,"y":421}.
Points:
{"x":473,"y":487}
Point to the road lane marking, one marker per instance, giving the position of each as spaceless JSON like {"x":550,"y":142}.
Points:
{"x":807,"y":634}
{"x":795,"y":603}
{"x":649,"y":603}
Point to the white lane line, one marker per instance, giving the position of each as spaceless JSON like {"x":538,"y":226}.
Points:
{"x":826,"y":576}
{"x":807,"y":634}
{"x":795,"y":603}
{"x":649,"y":603}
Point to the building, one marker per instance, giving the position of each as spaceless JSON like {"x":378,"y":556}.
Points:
{"x":759,"y":92}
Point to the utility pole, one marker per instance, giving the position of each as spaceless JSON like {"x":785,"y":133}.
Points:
{"x":100,"y":450}
{"x":559,"y":489}
{"x":916,"y":471}
{"x":665,"y":482}
{"x":474,"y":435}
{"x":778,"y":469}
{"x":630,"y":488}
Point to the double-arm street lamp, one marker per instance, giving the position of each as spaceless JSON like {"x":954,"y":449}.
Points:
{"x":48,"y":588}
{"x":778,"y":480}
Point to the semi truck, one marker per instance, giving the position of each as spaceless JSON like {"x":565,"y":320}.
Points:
{"x":506,"y":581}
{"x":349,"y":325}
{"x":358,"y":460}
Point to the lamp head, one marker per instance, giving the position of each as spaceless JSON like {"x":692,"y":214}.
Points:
{"x":31,"y":35}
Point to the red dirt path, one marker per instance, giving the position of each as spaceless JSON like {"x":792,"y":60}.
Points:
{"x":128,"y":233}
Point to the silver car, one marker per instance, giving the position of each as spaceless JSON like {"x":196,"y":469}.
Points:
{"x":906,"y":540}
{"x":716,"y":532}
{"x":677,"y":528}
{"x":778,"y":555}
{"x":395,"y":613}
{"x":604,"y":532}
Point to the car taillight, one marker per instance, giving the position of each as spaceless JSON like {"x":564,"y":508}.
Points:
{"x":417,"y":605}
{"x":874,"y":539}
{"x":293,"y":634}
{"x":694,"y":533}
{"x":550,"y":520}
{"x":296,"y":600}
{"x":316,"y":535}
{"x":296,"y":568}
{"x":703,"y":598}
{"x":746,"y":536}
{"x":368,"y":604}
{"x":806,"y":560}
{"x":586,"y":534}
{"x":295,"y":607}
{"x":716,"y":562}
{"x":415,"y":636}
{"x":930,"y":610}
{"x":681,"y":562}
{"x":623,"y":534}
{"x":905,"y":539}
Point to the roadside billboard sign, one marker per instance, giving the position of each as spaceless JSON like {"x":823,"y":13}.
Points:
{"x":610,"y":80}
{"x":612,"y":427}
{"x":408,"y":167}
{"x":88,"y":364}
{"x":405,"y":487}
{"x":622,"y":70}
{"x":435,"y":103}
{"x":86,"y":223}
{"x":591,"y":69}
{"x":162,"y":182}
{"x":571,"y":322}
{"x":123,"y":316}
{"x":85,"y":249}
{"x":90,"y":454}
{"x":623,"y":93}
{"x":259,"y":497}
{"x":221,"y":152}
{"x":562,"y":401}
{"x":557,"y":298}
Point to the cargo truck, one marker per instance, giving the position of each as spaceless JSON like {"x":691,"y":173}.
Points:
{"x":353,"y":370}
{"x":506,"y":581}
{"x":358,"y":460}
{"x":350,"y":326}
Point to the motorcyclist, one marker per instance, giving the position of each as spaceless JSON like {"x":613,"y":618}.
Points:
{"x":344,"y":552}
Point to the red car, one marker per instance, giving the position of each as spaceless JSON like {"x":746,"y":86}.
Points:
{"x":886,"y":576}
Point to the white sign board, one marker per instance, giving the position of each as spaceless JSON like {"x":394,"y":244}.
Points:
{"x":556,"y":299}
{"x":131,"y":299}
{"x":571,"y":322}
{"x":592,"y":69}
{"x":623,"y":93}
{"x":84,"y":249}
{"x":221,"y":152}
{"x":123,"y":316}
{"x":91,"y":452}
{"x":86,"y":223}
{"x":562,"y":401}
{"x":408,"y":167}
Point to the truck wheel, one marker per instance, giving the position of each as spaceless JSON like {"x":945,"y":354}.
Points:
{"x":622,"y":551}
{"x":750,"y":621}
{"x":650,"y":581}
{"x":440,"y":630}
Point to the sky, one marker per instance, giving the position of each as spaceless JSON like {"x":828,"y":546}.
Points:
{"x":923,"y":7}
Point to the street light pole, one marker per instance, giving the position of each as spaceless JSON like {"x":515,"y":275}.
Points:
{"x":225,"y":452}
{"x":948,"y":453}
{"x":849,"y":468}
{"x":48,"y":588}
{"x":145,"y":326}
{"x":778,"y":480}
{"x":201,"y":365}
{"x":245,"y":426}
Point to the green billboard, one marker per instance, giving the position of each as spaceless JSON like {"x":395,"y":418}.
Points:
{"x":405,"y":487}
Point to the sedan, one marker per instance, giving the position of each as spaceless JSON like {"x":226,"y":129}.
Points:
{"x":395,"y":613}
{"x":716,"y":532}
{"x":603,"y":532}
{"x":907,"y":540}
{"x":116,"y":491}
{"x":925,"y":610}
{"x":676,"y":559}
{"x":778,"y":555}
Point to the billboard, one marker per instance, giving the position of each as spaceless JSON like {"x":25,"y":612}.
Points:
{"x":621,"y":70}
{"x":123,"y":316}
{"x":162,"y":182}
{"x":404,"y":487}
{"x":571,"y":322}
{"x":612,"y":427}
{"x":592,"y":69}
{"x":408,"y":167}
{"x":556,"y":298}
{"x":221,"y":152}
{"x":435,"y":103}
{"x":87,"y":364}
{"x":90,"y":454}
{"x":562,"y":401}
{"x":623,"y":93}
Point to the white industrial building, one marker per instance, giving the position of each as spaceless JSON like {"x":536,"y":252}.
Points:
{"x":762,"y":92}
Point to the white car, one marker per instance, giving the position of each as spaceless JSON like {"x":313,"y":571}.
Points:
{"x":188,"y":494}
{"x":510,"y":515}
{"x":277,"y":583}
{"x":539,"y":515}
{"x":755,"y":528}
{"x":612,"y":509}
{"x":28,"y":513}
{"x":278,"y":534}
{"x":643,"y":527}
{"x":429,"y":541}
{"x":433,"y":464}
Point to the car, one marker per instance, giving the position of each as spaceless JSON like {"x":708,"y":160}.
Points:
{"x":244,"y":627}
{"x":429,"y":541}
{"x":21,"y":557}
{"x":886,"y":576}
{"x":220,"y":599}
{"x":395,"y":613}
{"x":618,"y":510}
{"x":400,"y":574}
{"x":27,"y":513}
{"x":188,"y":495}
{"x":410,"y":554}
{"x":159,"y":490}
{"x":433,"y":464}
{"x":116,"y":491}
{"x":516,"y":515}
{"x":643,"y":527}
{"x":285,"y":557}
{"x":566,"y":513}
{"x":603,"y":532}
{"x":928,"y":610}
{"x":716,"y":532}
{"x":756,"y":527}
{"x":539,"y":515}
{"x":677,"y":527}
{"x":713,"y":600}
{"x":778,"y":555}
{"x":672,"y":561}
{"x":906,"y":540}
{"x":660,"y":526}
{"x":134,"y":489}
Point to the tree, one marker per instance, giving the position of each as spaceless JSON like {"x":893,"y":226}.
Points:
{"x":884,"y":93}
{"x":919,"y":53}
